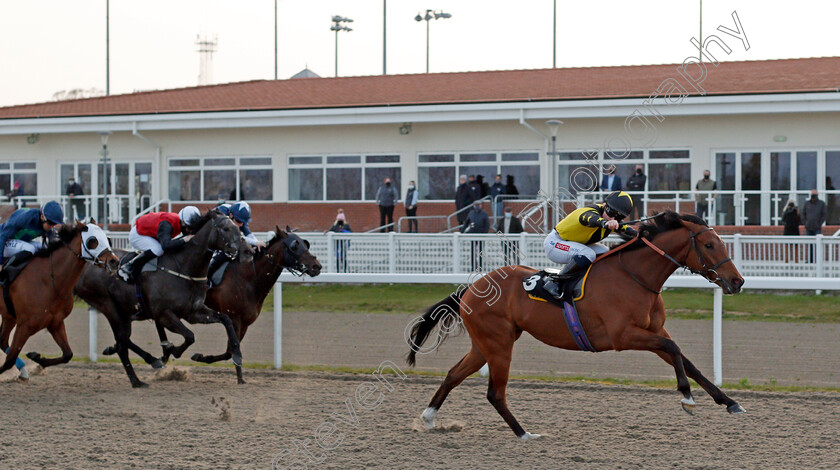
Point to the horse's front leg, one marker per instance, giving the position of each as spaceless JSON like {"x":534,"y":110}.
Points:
{"x":240,"y":333}
{"x":59,"y":334}
{"x":207,"y":315}
{"x":638,"y":339}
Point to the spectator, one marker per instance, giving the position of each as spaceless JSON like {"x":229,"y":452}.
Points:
{"x":611,"y":181}
{"x":635,"y":186}
{"x":482,"y":186}
{"x":17,"y":191}
{"x":510,"y":188}
{"x":74,"y":190}
{"x":411,"y":206}
{"x":497,"y":190}
{"x":813,"y":217}
{"x":341,"y":246}
{"x":791,"y":218}
{"x":477,"y":222}
{"x":706,"y":185}
{"x":813,"y":214}
{"x":462,"y":199}
{"x":386,"y":198}
{"x":510,"y":225}
{"x":475,"y":188}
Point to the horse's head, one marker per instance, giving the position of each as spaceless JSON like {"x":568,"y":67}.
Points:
{"x":295,"y":252}
{"x":94,"y":246}
{"x":709,"y":257}
{"x":223,"y":235}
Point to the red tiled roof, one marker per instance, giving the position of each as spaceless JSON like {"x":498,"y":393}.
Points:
{"x":729,"y":78}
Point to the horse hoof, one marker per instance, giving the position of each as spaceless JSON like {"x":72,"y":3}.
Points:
{"x":735,"y":409}
{"x":237,"y":360}
{"x":197,"y":357}
{"x":528,"y":436}
{"x":109,"y":351}
{"x":240,"y":381}
{"x":140,"y":384}
{"x":157,"y":364}
{"x":34,"y":356}
{"x":688,"y":405}
{"x":429,"y":417}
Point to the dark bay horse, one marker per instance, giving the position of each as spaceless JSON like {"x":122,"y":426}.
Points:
{"x":42,"y":294}
{"x":171,"y":295}
{"x":245,"y":285}
{"x":621,"y":310}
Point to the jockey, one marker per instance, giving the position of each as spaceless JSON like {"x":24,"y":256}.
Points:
{"x":23,"y":226}
{"x":574,"y":241}
{"x":154,"y":234}
{"x":240,"y":213}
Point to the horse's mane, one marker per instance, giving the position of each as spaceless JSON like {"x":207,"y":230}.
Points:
{"x":208,"y":216}
{"x":664,"y":222}
{"x":65,"y":234}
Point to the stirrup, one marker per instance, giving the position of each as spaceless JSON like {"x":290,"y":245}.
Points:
{"x":554,"y":290}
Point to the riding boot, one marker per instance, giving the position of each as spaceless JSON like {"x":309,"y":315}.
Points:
{"x":130,"y":272}
{"x":569,"y":271}
{"x":215,"y":263}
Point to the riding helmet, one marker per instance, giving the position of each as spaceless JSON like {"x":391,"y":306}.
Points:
{"x":52,"y":212}
{"x":241,"y":212}
{"x":619,"y":202}
{"x":189,"y":215}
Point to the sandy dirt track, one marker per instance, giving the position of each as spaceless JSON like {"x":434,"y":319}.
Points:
{"x":789,"y":353}
{"x":84,"y":416}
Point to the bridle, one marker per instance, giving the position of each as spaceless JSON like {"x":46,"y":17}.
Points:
{"x":710,"y":273}
{"x":94,"y":260}
{"x":217,"y":224}
{"x":298,"y":268}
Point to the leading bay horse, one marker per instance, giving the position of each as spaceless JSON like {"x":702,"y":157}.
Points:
{"x":621,"y":310}
{"x":42,"y":294}
{"x":176,"y":291}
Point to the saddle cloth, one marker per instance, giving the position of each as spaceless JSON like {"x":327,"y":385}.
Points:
{"x":217,"y":276}
{"x":151,"y":265}
{"x":573,"y":290}
{"x":12,"y":269}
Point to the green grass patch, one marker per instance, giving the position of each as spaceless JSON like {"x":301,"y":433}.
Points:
{"x":680,"y":303}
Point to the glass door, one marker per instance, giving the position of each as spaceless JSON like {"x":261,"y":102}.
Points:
{"x":750,"y":181}
{"x":76,"y":208}
{"x":725,"y":208}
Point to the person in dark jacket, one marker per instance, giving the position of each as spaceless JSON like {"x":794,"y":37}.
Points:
{"x":73,"y":191}
{"x":463,"y":198}
{"x":611,"y":181}
{"x":635,"y":187}
{"x":154,"y":234}
{"x":483,"y":187}
{"x":498,"y":202}
{"x":410,"y":203}
{"x":386,"y":198}
{"x":813,"y":214}
{"x":25,"y":225}
{"x":791,"y":218}
{"x":510,"y":225}
{"x":477,"y":223}
{"x":510,"y":188}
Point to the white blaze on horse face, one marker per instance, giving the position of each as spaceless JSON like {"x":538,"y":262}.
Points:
{"x":94,"y":232}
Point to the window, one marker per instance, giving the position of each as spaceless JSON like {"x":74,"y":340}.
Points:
{"x":438,"y":174}
{"x":221,"y":179}
{"x":21,"y":172}
{"x":666,"y":170}
{"x":341,"y":177}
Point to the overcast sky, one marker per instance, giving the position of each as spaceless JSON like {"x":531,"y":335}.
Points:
{"x":49,"y":45}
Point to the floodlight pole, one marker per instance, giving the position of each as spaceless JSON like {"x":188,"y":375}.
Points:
{"x":105,"y":176}
{"x":554,"y":54}
{"x":107,"y":47}
{"x":427,"y":46}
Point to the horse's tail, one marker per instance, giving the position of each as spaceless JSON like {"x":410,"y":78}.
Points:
{"x":447,"y":312}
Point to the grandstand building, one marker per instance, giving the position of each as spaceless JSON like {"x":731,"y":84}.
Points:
{"x":299,"y":149}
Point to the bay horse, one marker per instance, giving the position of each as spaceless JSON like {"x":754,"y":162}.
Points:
{"x":175,"y":291}
{"x":245,"y":286}
{"x":42,"y":294}
{"x":621,"y":310}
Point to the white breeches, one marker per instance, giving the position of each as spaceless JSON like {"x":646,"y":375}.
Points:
{"x":562,"y":251}
{"x":143,"y":243}
{"x":14,"y":247}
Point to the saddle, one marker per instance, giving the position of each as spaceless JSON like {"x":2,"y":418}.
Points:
{"x":216,"y":277}
{"x":573,"y":290}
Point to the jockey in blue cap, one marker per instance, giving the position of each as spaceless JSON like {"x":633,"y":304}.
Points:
{"x":240,"y":213}
{"x":24,"y":225}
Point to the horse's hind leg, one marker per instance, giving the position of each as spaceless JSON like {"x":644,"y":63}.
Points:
{"x":207,"y":315}
{"x":59,"y":334}
{"x":499,"y":371}
{"x":467,"y":366}
{"x":172,"y":323}
{"x":5,"y":332}
{"x":21,"y":335}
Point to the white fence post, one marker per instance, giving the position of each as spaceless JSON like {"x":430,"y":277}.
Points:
{"x":737,"y":255}
{"x":392,"y":253}
{"x":819,"y":252}
{"x":717,"y":336}
{"x":278,"y":325}
{"x":456,"y":253}
{"x":331,"y":253}
{"x":92,"y":333}
{"x":523,"y":248}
